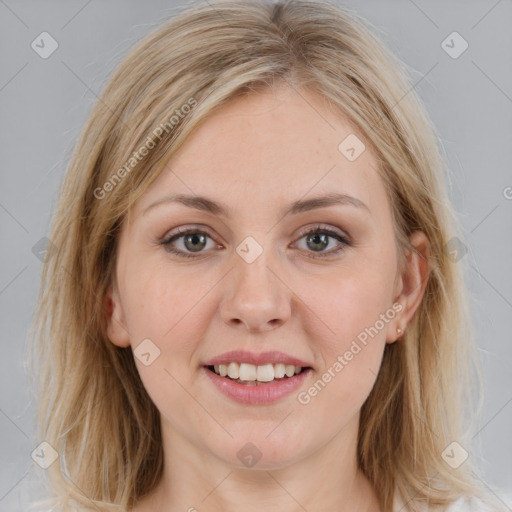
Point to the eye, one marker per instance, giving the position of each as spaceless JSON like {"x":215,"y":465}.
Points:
{"x":194,"y":241}
{"x":317,"y":239}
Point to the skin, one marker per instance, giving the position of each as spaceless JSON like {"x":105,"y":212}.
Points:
{"x":256,"y":154}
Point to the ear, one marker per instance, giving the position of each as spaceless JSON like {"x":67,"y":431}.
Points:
{"x":116,"y":326}
{"x":411,"y":284}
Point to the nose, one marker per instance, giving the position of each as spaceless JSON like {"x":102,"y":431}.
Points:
{"x":256,"y":297}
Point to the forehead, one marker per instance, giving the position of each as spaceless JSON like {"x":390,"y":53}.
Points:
{"x":273,"y":146}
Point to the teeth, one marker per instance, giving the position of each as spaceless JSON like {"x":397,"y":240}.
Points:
{"x":247,"y":371}
{"x":264,"y":373}
{"x":233,"y":371}
{"x":279,"y":371}
{"x":251,"y":372}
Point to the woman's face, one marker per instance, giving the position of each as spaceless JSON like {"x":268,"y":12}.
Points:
{"x":317,"y":283}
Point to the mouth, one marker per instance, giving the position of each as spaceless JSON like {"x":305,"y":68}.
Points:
{"x":257,"y":375}
{"x":252,"y":378}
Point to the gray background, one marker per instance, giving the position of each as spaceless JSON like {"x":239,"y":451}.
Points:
{"x":44,"y":103}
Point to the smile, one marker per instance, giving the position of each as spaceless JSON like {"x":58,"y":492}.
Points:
{"x":245,"y":386}
{"x":250,"y":374}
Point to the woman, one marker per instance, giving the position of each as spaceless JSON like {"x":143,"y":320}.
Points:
{"x":252,"y":304}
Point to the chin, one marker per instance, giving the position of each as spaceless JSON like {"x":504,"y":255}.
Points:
{"x":261,"y":453}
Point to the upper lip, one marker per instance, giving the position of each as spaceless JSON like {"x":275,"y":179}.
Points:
{"x":258,"y":359}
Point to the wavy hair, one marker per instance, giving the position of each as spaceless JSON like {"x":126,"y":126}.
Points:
{"x":92,"y":406}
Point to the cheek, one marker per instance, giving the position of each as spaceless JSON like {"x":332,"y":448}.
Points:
{"x":159,"y":298}
{"x":355,"y":305}
{"x":168,"y":309}
{"x":173,"y":310}
{"x":351,"y":355}
{"x":350,"y":301}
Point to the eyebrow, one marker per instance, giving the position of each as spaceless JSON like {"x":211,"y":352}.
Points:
{"x":208,"y":205}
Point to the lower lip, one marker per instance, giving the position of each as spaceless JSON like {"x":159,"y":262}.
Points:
{"x":257,"y":394}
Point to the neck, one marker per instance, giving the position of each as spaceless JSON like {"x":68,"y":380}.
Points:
{"x":197,"y":481}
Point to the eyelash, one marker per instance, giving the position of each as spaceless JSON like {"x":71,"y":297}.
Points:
{"x":344,"y":242}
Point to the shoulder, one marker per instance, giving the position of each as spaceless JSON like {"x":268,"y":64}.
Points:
{"x":463,"y":504}
{"x":468,"y":504}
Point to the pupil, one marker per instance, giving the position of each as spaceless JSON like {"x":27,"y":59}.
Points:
{"x":194,"y":237}
{"x":317,"y":239}
{"x":317,"y":236}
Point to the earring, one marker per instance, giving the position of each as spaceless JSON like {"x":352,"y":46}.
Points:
{"x":399,"y":331}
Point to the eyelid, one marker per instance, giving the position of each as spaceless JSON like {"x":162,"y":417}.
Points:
{"x":326,"y":227}
{"x":304,"y":231}
{"x":333,"y":232}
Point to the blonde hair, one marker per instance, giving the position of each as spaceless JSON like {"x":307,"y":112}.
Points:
{"x":93,"y":407}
